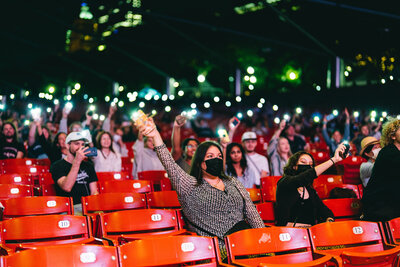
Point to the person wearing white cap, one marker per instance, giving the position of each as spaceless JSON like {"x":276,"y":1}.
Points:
{"x":370,"y":148}
{"x":258,"y":163}
{"x":74,"y":176}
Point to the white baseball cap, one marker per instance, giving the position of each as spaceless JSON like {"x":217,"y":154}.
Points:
{"x":75,"y":136}
{"x":249,"y":136}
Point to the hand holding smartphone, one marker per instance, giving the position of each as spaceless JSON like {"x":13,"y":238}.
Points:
{"x":92,"y":152}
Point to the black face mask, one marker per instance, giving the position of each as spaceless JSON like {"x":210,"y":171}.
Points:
{"x":214,"y":166}
{"x":302,"y":168}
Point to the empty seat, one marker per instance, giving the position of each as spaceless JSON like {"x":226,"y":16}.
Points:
{"x":268,"y":187}
{"x":163,"y":200}
{"x":126,"y":186}
{"x":15,"y":178}
{"x":344,"y":208}
{"x":113,"y":176}
{"x":267,"y":212}
{"x":255,"y":194}
{"x":328,"y":179}
{"x":393,"y":230}
{"x":12,"y":191}
{"x":155,"y":177}
{"x":324,"y":191}
{"x":34,"y":170}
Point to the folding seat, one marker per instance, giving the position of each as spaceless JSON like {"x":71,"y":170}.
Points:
{"x":356,"y":242}
{"x":262,"y":144}
{"x":128,"y":225}
{"x":351,"y":169}
{"x":165,"y":185}
{"x":22,"y":179}
{"x":126,"y":186}
{"x":344,"y":208}
{"x":328,"y":179}
{"x":45,"y":162}
{"x":274,"y":246}
{"x":113,"y":176}
{"x":268,"y":187}
{"x":393,"y":230}
{"x":320,"y":156}
{"x":323,"y":191}
{"x":255,"y":194}
{"x":35,"y":231}
{"x":267,"y":212}
{"x":154,"y":176}
{"x":65,"y":256}
{"x":48,"y":190}
{"x":127,"y":160}
{"x":163,"y":200}
{"x":18,"y":162}
{"x":12,"y":191}
{"x":171,"y":251}
{"x":33,"y":170}
{"x":109,"y":202}
{"x":42,"y":205}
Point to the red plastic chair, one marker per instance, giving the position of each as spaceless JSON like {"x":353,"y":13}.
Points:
{"x":12,"y":191}
{"x":393,"y":230}
{"x":344,"y":208}
{"x":42,"y":205}
{"x":320,"y":156}
{"x":356,"y":242}
{"x":279,"y":246}
{"x":113,"y":176}
{"x":24,"y":179}
{"x":48,"y":190}
{"x":267,"y":212}
{"x":155,"y":177}
{"x":255,"y":194}
{"x":165,"y":185}
{"x":268,"y":188}
{"x":109,"y":202}
{"x":19,"y":162}
{"x":163,"y":200}
{"x":65,"y":256}
{"x":323,"y":191}
{"x":171,"y":251}
{"x":129,"y":225}
{"x":328,"y":179}
{"x":351,"y":169}
{"x":126,"y":186}
{"x":34,"y":170}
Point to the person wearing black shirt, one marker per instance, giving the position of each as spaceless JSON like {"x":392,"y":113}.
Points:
{"x":10,"y":148}
{"x":75,"y":177}
{"x":295,"y":141}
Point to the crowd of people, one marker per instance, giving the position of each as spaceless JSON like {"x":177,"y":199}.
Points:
{"x":211,"y":171}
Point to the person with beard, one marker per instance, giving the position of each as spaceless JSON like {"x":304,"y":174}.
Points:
{"x":213,"y":204}
{"x":297,"y":202}
{"x":10,"y":148}
{"x":182,"y":153}
{"x":74,"y":177}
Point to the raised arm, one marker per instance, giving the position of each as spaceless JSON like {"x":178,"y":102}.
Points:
{"x":32,"y":133}
{"x":325,"y":132}
{"x":346,"y":135}
{"x":176,"y":137}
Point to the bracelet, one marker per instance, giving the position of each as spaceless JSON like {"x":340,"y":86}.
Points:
{"x":332,"y":161}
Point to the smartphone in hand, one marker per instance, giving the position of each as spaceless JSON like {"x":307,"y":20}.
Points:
{"x":92,"y":152}
{"x":235,"y":121}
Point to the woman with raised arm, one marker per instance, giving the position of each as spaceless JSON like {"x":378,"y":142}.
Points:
{"x":212,"y":203}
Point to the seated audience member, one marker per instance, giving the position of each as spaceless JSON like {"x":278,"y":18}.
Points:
{"x":370,"y":148}
{"x":107,"y":159}
{"x":212,"y":203}
{"x":260,"y":128}
{"x":258,"y":163}
{"x":74,"y":176}
{"x":337,"y":137}
{"x":39,"y":142}
{"x":145,"y":158}
{"x":182,"y":153}
{"x":236,"y":165}
{"x":10,"y":147}
{"x":278,"y":151}
{"x":365,"y":132}
{"x":381,"y":197}
{"x":59,"y":148}
{"x":296,"y":142}
{"x":297,"y":202}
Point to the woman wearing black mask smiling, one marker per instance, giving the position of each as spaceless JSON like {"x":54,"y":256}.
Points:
{"x":213,"y":203}
{"x":297,"y":202}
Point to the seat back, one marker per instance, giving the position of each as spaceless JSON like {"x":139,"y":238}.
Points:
{"x":152,"y":175}
{"x":324,"y":191}
{"x":126,"y":186}
{"x":12,"y":191}
{"x":169,"y":251}
{"x":328,"y":179}
{"x":15,"y":178}
{"x":163,"y":200}
{"x":255,"y":194}
{"x":344,"y":208}
{"x":268,"y":187}
{"x":320,"y":156}
{"x":65,"y":256}
{"x":112,"y":176}
{"x":393,"y":229}
{"x":42,"y":205}
{"x":19,"y":162}
{"x":34,"y":170}
{"x":45,"y":179}
{"x":267,"y":212}
{"x":109,"y":202}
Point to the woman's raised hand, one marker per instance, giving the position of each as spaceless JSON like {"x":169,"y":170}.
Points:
{"x":148,"y":128}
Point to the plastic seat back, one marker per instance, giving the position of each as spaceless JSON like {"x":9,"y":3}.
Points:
{"x":324,"y":191}
{"x":65,"y":256}
{"x":113,"y":176}
{"x":268,"y":188}
{"x":284,"y":245}
{"x":344,"y":208}
{"x":169,"y":251}
{"x":39,"y":205}
{"x":34,"y":170}
{"x":320,"y":156}
{"x":19,"y":162}
{"x":267,"y":212}
{"x":126,"y":186}
{"x":163,"y":200}
{"x":45,"y":179}
{"x":12,"y":191}
{"x":255,"y":194}
{"x":152,"y":175}
{"x":328,"y":179}
{"x":393,"y":229}
{"x":14,"y":178}
{"x":109,"y":202}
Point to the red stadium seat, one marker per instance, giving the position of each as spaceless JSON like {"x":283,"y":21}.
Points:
{"x":344,"y":208}
{"x":323,"y":191}
{"x":34,"y":170}
{"x":112,"y":176}
{"x":351,"y":169}
{"x":126,"y":186}
{"x":267,"y":212}
{"x":163,"y":200}
{"x":48,"y":190}
{"x":109,"y":202}
{"x":255,"y":194}
{"x":328,"y":179}
{"x":21,"y":179}
{"x":12,"y":191}
{"x":155,"y":177}
{"x":19,"y":162}
{"x":320,"y":156}
{"x":268,"y":187}
{"x":165,"y":185}
{"x":393,"y":230}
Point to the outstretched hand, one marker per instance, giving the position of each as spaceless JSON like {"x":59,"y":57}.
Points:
{"x":148,"y":128}
{"x":339,"y":151}
{"x":179,"y":121}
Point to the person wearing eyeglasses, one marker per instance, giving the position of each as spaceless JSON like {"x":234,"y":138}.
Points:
{"x":297,"y":202}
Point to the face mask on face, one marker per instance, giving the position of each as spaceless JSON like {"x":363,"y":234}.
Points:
{"x":302,"y":168}
{"x":376,"y":152}
{"x":214,"y":166}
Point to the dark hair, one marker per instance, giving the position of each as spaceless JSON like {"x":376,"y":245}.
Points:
{"x":15,"y":136}
{"x":55,"y":141}
{"x":98,"y":139}
{"x":292,"y":161}
{"x":229,"y":162}
{"x":187,"y":140}
{"x":198,"y":158}
{"x":367,"y":150}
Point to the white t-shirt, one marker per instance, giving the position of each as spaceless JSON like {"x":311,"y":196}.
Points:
{"x":110,"y":163}
{"x":144,"y":159}
{"x":257,"y":163}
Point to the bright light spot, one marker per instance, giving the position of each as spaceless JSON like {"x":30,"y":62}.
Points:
{"x":262,"y":100}
{"x":247,"y":78}
{"x":335,"y":112}
{"x":259,"y":105}
{"x":30,"y":105}
{"x":68,"y":105}
{"x":73,"y":91}
{"x":69,"y":97}
{"x":373,"y":113}
{"x":348,"y":68}
{"x":253,"y":79}
{"x":316,"y":119}
{"x":193,"y":112}
{"x":121,"y":104}
{"x":1,"y":106}
{"x":131,"y":99}
{"x":12,"y":96}
{"x":142,"y":104}
{"x":164,"y":97}
{"x":135,"y":94}
{"x":115,"y":100}
{"x":91,"y":100}
{"x":292,"y":75}
{"x":356,"y":114}
{"x":96,"y":116}
{"x":156,"y":97}
{"x":171,"y":97}
{"x":102,"y":117}
{"x":129,"y":95}
{"x":250,"y":113}
{"x":107,"y":98}
{"x":101,"y":47}
{"x":175,"y":84}
{"x":239,"y":115}
{"x":120,"y":88}
{"x":384,"y":114}
{"x":92,"y":107}
{"x":193,"y":105}
{"x":251,"y":87}
{"x":318,"y":88}
{"x":383,"y":81}
{"x":85,"y":96}
{"x":286,"y":116}
{"x":26,"y":122}
{"x":250,"y":70}
{"x":275,"y":107}
{"x":41,"y":95}
{"x":51,"y":89}
{"x":346,"y":73}
{"x":167,"y":109}
{"x":27,"y":93}
{"x":216,"y":99}
{"x":56,"y":102}
{"x":391,"y":77}
{"x":238,"y":99}
{"x":373,"y":118}
{"x":113,"y":104}
{"x":154,"y":112}
{"x":147,"y":97}
{"x":231,"y":79}
{"x":277,"y":120}
{"x":398,"y":117}
{"x":201,"y":78}
{"x":50,"y":97}
{"x":206,"y":104}
{"x":299,"y":110}
{"x":77,"y":86}
{"x":181,"y":93}
{"x":228,"y":103}
{"x":48,"y":110}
